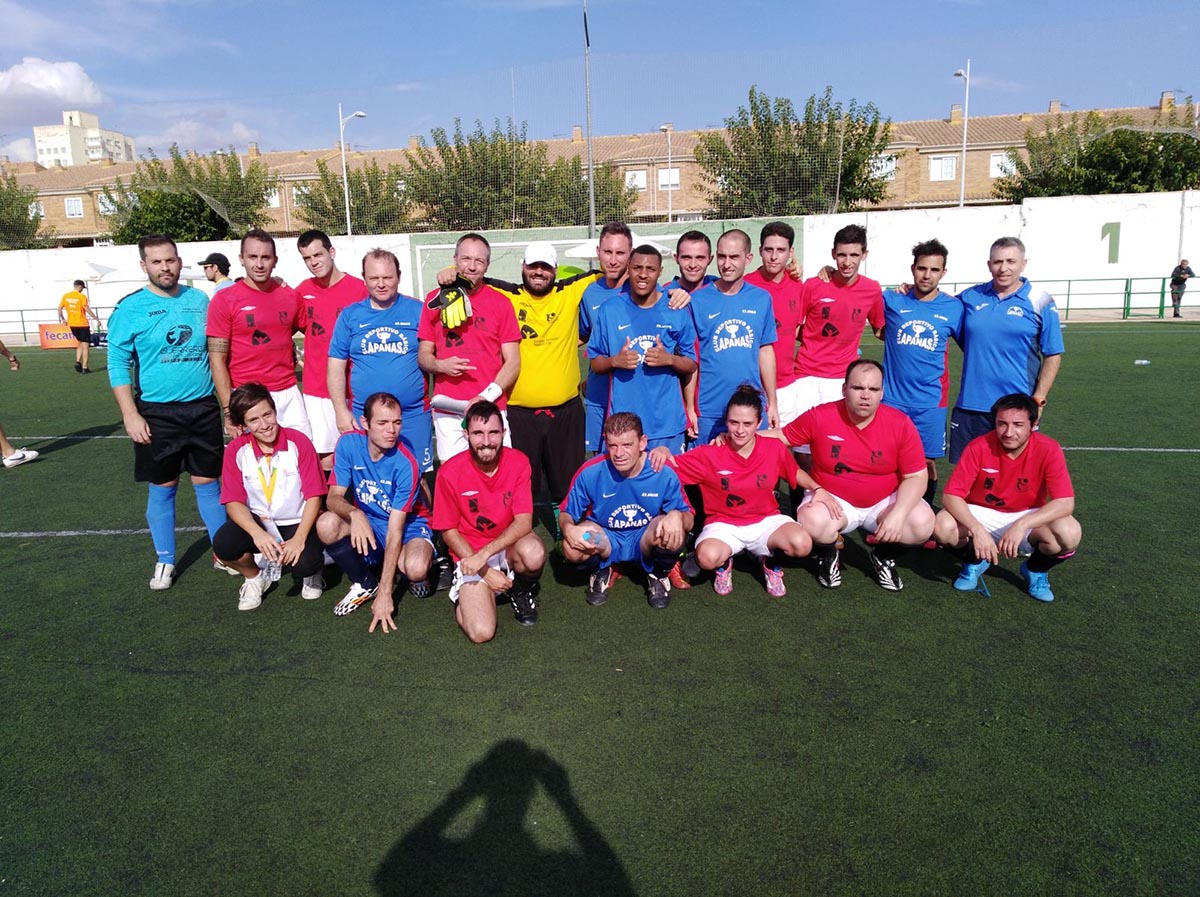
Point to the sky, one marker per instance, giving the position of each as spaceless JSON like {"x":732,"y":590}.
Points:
{"x":207,"y":75}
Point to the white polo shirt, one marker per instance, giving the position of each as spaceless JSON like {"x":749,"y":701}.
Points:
{"x":275,"y":486}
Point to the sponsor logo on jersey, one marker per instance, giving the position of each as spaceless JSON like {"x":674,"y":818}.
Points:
{"x":155,"y":314}
{"x":1016,"y":312}
{"x":919,"y":335}
{"x":628,"y":517}
{"x":368,"y":492}
{"x":384,"y":340}
{"x":258,"y":338}
{"x":179,"y":334}
{"x":733,"y":334}
{"x":836,"y":438}
{"x":981,"y":306}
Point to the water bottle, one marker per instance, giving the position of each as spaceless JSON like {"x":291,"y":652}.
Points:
{"x":1142,"y":361}
{"x":596,"y":537}
{"x":272,"y":570}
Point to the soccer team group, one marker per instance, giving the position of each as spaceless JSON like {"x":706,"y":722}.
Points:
{"x":704,"y":393}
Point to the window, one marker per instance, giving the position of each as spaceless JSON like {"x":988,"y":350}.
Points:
{"x":668,"y":179}
{"x":298,"y":191}
{"x":1001,"y":166}
{"x":884,"y":168}
{"x":273,"y":199}
{"x":74,"y":206}
{"x":941,"y":168}
{"x":104,"y":205}
{"x":636,"y":179}
{"x":37,"y":209}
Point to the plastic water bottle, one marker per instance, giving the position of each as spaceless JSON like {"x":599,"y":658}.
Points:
{"x":596,"y":537}
{"x":1142,"y":361}
{"x":272,"y":570}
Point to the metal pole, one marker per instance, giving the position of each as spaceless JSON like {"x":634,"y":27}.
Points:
{"x":345,"y":182}
{"x":587,"y":80}
{"x":962,"y":177}
{"x":670,"y":205}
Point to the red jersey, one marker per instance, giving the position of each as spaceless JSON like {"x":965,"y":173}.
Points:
{"x":860,"y":466}
{"x":479,"y":506}
{"x":987,"y":477}
{"x":259,"y":327}
{"x":737,"y":490}
{"x":492,"y":324}
{"x":786,"y":299}
{"x":833,"y":318}
{"x":320,"y":307}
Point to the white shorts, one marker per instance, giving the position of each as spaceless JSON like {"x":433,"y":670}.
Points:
{"x":323,"y":422}
{"x":866,"y":518}
{"x":450,"y":437}
{"x":787,"y":400}
{"x":751,"y":537}
{"x":997,"y":523}
{"x":289,"y":410}
{"x":814,"y":391}
{"x":498,"y":561}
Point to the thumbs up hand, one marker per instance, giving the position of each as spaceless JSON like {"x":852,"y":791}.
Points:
{"x":657,"y":355}
{"x":627,"y":358}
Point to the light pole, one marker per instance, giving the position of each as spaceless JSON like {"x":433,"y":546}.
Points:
{"x":962,"y":178}
{"x":342,"y":144}
{"x":667,"y":130}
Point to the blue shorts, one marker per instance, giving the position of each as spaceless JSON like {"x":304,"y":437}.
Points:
{"x":673,"y":443}
{"x":627,"y":547}
{"x":967,"y":425}
{"x":594,"y":427}
{"x":417,"y":430}
{"x":931,"y":425}
{"x":414,"y":528}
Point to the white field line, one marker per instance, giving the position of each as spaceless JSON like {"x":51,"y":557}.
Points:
{"x":94,"y":532}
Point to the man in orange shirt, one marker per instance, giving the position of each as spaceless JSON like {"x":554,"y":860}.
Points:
{"x":74,"y":310}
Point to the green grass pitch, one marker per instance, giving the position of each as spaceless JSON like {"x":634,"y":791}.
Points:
{"x":850,"y":742}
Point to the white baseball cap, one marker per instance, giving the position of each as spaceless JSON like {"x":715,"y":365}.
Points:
{"x":541,"y":251}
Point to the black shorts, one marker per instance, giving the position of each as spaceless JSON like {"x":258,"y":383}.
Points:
{"x":83,"y":334}
{"x":967,"y":425}
{"x":183,"y":436}
{"x":232,"y":542}
{"x":552,"y":438}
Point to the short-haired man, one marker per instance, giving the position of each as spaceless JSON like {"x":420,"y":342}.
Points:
{"x":868,"y":462}
{"x":483,"y":507}
{"x":645,"y":345}
{"x":693,"y":255}
{"x":477,"y":359}
{"x":621,"y":510}
{"x":376,"y":339}
{"x":74,"y":311}
{"x":614,"y":248}
{"x":174,"y":420}
{"x":1011,"y":341}
{"x":216,"y":271}
{"x":735,"y":330}
{"x":250,"y":327}
{"x":917,"y":330}
{"x":1009,"y":495}
{"x":775,"y":249}
{"x":833,"y":314}
{"x":376,"y":519}
{"x":1179,"y":278}
{"x":322,"y":298}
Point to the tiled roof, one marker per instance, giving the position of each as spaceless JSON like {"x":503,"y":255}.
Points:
{"x":1001,"y":130}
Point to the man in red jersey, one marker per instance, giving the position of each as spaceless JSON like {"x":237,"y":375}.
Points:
{"x":249,"y":330}
{"x":833,"y":315}
{"x":775,"y":249}
{"x":1010,"y":494}
{"x":869,"y":464}
{"x":322,"y":298}
{"x":483,"y":507}
{"x":478,"y":359}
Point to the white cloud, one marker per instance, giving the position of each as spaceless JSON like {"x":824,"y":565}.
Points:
{"x":19,"y":150}
{"x":37,"y":91}
{"x":199,"y":135}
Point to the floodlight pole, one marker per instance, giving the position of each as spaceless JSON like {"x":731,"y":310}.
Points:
{"x":666,"y":130}
{"x":342,"y":146}
{"x":587,"y":82}
{"x":962,"y":177}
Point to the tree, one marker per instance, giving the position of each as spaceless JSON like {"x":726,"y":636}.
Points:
{"x":770,"y":163}
{"x":1091,"y":154}
{"x":498,"y":179}
{"x":194,"y":198}
{"x":379,"y":203}
{"x":19,"y":217}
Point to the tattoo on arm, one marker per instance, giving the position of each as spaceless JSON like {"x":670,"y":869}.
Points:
{"x":218,"y":346}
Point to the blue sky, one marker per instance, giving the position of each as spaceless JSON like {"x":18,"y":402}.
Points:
{"x":207,"y":74}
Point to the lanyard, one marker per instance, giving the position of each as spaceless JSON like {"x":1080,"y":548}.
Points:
{"x":268,"y":484}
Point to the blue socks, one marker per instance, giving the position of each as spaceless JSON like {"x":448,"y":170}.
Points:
{"x":352,"y":563}
{"x":212,"y":512}
{"x":160,"y":516}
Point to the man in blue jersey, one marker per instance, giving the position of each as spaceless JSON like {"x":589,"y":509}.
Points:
{"x":1012,"y":342}
{"x":917,"y":330}
{"x":735,"y":326}
{"x":693,"y":255}
{"x":620,"y":510}
{"x":614,"y":247}
{"x":645,"y":345}
{"x":377,"y":338}
{"x":174,"y":419}
{"x":376,"y":517}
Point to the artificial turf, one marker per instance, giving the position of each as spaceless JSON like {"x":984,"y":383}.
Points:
{"x":850,"y":742}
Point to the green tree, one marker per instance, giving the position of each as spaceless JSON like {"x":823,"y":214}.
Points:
{"x":496,"y":179}
{"x":19,"y":220}
{"x":379,"y":202}
{"x":192,"y":198}
{"x":1090,"y":154}
{"x":768,"y":162}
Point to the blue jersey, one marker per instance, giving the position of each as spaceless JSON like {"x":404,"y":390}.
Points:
{"x":381,"y":346}
{"x":674,"y":284}
{"x":730,"y":329}
{"x":595,"y":391}
{"x":378,"y":487}
{"x":1004,"y":342}
{"x":916,"y":336}
{"x":166,"y":337}
{"x":621,"y":504}
{"x":652,"y":393}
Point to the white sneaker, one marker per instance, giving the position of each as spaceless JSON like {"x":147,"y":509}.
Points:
{"x":313,"y":587}
{"x":23,"y":456}
{"x":221,"y":567}
{"x":163,"y":578}
{"x":356,"y":596}
{"x":251,"y":592}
